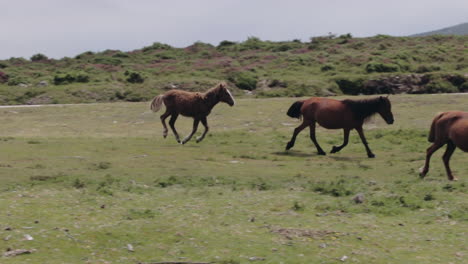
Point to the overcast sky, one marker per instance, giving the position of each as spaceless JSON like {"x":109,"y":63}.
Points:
{"x":59,"y":28}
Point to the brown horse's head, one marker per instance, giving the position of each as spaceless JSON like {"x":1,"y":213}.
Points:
{"x":385,"y":109}
{"x":224,"y":95}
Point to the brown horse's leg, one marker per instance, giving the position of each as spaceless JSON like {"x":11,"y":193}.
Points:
{"x":195,"y":126}
{"x":298,"y":129}
{"x":446,"y":158}
{"x":171,"y":123}
{"x":345,"y":142}
{"x":163,"y":121}
{"x":205,"y":124}
{"x":364,"y":141}
{"x":312,"y":136}
{"x":433,"y":148}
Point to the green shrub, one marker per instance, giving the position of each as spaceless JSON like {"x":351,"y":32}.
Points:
{"x":427,"y":68}
{"x":157,"y":46}
{"x":381,"y":67}
{"x":39,"y":57}
{"x":134,"y":77}
{"x":327,"y":67}
{"x":244,"y":80}
{"x":350,"y":86}
{"x":464,"y":87}
{"x":226,"y":43}
{"x":16,"y":80}
{"x":108,"y":61}
{"x":71,"y":77}
{"x":120,"y":55}
{"x":440,"y":85}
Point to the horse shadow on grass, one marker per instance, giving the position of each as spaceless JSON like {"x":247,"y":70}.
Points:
{"x":293,"y":153}
{"x":300,"y":154}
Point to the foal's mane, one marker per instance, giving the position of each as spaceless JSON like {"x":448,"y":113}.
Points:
{"x":363,"y":108}
{"x":216,"y":88}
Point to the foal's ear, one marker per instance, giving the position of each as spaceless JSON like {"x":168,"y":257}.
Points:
{"x":222,"y":85}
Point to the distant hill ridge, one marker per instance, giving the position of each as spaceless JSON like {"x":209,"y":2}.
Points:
{"x":461,"y":29}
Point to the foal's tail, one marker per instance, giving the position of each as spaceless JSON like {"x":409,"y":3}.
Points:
{"x":156,"y":103}
{"x":295,"y":110}
{"x":432,"y":132}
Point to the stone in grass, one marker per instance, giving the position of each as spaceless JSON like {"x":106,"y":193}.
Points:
{"x":359,"y":198}
{"x":16,"y":252}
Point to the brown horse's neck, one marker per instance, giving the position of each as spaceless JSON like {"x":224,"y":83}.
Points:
{"x":363,"y":109}
{"x":211,"y":97}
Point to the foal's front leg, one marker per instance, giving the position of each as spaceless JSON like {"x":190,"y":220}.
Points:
{"x":364,"y":141}
{"x":195,"y":126}
{"x":205,"y":124}
{"x":345,"y":142}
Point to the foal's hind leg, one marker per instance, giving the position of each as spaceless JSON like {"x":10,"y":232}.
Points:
{"x":433,"y":148}
{"x":446,"y":158}
{"x":205,"y":124}
{"x":312,"y":136}
{"x":297,"y":130}
{"x":171,"y":123}
{"x":345,"y":142}
{"x":195,"y":126}
{"x":163,"y":121}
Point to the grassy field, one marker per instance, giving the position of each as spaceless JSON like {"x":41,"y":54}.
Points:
{"x":98,"y":184}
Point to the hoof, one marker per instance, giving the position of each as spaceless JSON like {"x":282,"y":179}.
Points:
{"x":371,"y":156}
{"x":334,"y":149}
{"x":421,"y":173}
{"x":322,"y":153}
{"x":289,"y":145}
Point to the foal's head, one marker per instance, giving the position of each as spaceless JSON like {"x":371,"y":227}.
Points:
{"x":385,"y":109}
{"x":224,"y":95}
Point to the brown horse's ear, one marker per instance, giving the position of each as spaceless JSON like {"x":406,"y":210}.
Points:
{"x":221,"y":85}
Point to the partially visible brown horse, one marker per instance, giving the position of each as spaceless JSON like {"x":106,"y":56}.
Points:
{"x":196,"y":105}
{"x":334,"y":114}
{"x":449,"y":128}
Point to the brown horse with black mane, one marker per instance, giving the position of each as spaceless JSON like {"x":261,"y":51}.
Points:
{"x":334,"y":114}
{"x":196,"y":105}
{"x":449,"y":128}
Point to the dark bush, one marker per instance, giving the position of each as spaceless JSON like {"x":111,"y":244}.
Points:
{"x":120,"y":55}
{"x":67,"y":78}
{"x":84,"y":54}
{"x":3,"y":65}
{"x":244,"y":80}
{"x":16,"y":80}
{"x":134,"y":77}
{"x":39,"y":57}
{"x":225,"y":43}
{"x":381,"y":67}
{"x":427,"y":68}
{"x":157,"y":46}
{"x":327,"y":67}
{"x":350,"y":86}
{"x":108,"y":61}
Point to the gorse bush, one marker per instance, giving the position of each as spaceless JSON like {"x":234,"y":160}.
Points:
{"x":244,"y":80}
{"x":72,"y":77}
{"x":381,"y":67}
{"x":39,"y":57}
{"x":134,"y":77}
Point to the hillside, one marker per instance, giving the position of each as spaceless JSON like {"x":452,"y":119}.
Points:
{"x":324,"y":66}
{"x":461,"y":30}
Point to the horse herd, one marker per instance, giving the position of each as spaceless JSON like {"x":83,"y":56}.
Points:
{"x":448,"y":128}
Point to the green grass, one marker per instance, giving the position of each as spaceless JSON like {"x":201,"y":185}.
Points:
{"x":86,"y":180}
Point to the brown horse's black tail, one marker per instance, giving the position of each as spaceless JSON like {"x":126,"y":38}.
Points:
{"x":432,"y":132}
{"x":295,"y":109}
